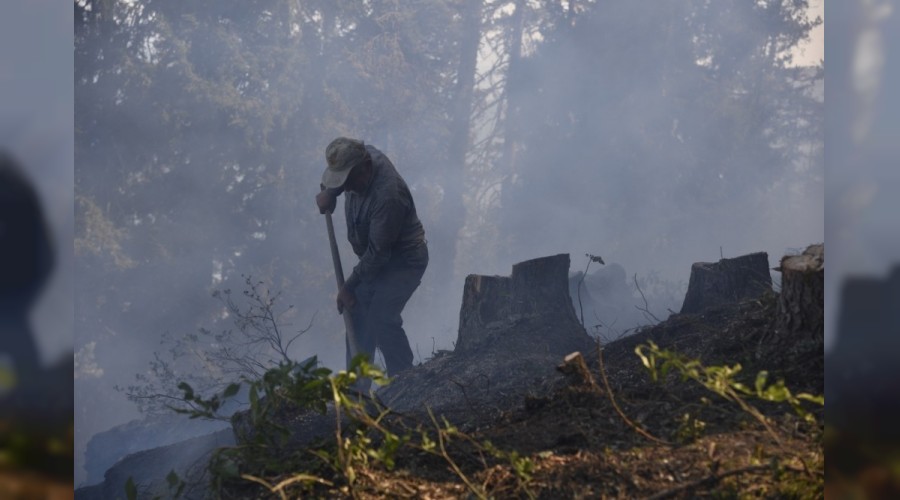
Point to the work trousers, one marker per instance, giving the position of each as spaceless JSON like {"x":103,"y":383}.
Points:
{"x":376,"y":316}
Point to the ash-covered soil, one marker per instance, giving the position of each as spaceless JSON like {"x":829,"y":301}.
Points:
{"x":669,"y":439}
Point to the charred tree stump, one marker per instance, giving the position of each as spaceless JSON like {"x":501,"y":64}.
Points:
{"x":801,"y":305}
{"x":513,"y":331}
{"x":537,"y":292}
{"x":727,"y":281}
{"x":485,"y":305}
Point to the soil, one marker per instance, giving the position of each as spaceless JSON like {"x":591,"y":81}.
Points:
{"x":669,"y":439}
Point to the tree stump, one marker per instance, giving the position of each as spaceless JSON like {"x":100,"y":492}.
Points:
{"x":727,"y":281}
{"x":537,"y":291}
{"x":485,"y":304}
{"x":513,"y":332}
{"x":801,"y":305}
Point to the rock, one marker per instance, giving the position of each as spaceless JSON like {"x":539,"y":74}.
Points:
{"x":149,"y":468}
{"x":108,"y":447}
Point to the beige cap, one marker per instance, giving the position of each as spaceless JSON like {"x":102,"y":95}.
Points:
{"x":342,"y":154}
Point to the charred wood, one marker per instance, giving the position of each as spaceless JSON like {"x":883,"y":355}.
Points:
{"x":727,"y":281}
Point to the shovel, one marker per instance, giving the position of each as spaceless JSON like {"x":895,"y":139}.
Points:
{"x":339,"y":275}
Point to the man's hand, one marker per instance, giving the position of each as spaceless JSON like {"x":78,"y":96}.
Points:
{"x":326,"y":202}
{"x":346,"y":299}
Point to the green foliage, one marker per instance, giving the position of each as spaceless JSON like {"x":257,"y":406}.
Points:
{"x":722,"y":381}
{"x":131,"y":492}
{"x":362,"y":440}
{"x":297,"y":387}
{"x":690,"y":428}
{"x":41,"y":446}
{"x":174,"y":488}
{"x":7,"y":378}
{"x":522,"y":466}
{"x":445,"y":433}
{"x":360,"y":449}
{"x":175,"y":483}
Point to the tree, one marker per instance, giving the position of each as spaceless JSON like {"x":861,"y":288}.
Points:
{"x":631,"y":111}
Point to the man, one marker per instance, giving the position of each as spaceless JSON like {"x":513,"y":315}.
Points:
{"x":26,"y":261}
{"x":388,"y":238}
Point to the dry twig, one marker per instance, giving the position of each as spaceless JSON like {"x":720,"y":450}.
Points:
{"x":646,"y":308}
{"x":612,"y":399}
{"x":711,"y":479}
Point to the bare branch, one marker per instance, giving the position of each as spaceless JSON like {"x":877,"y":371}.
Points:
{"x":647,"y":314}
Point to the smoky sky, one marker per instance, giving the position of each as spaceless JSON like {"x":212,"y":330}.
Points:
{"x":190,"y":221}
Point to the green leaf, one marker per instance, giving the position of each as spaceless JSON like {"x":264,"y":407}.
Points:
{"x":172,"y":478}
{"x":231,"y":390}
{"x":812,"y":399}
{"x":777,"y":392}
{"x":761,"y":381}
{"x":130,"y":489}
{"x":254,"y":397}
{"x":665,"y":370}
{"x":188,"y":390}
{"x":649,"y":363}
{"x":738,"y":387}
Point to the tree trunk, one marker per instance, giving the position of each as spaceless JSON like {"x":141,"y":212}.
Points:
{"x":465,"y":83}
{"x":511,"y":128}
{"x":727,"y":281}
{"x":801,"y":305}
{"x":453,"y":211}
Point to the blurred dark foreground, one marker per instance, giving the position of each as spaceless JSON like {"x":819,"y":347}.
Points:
{"x":862,"y":372}
{"x":36,"y":402}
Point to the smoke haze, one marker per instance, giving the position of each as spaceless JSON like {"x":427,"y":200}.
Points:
{"x":654,"y":137}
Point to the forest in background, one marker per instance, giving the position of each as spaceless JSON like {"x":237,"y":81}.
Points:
{"x":653,"y":134}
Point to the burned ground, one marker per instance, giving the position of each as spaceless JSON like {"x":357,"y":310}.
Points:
{"x":505,"y":414}
{"x":694,"y":443}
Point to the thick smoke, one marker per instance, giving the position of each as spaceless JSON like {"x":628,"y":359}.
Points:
{"x":201,"y":141}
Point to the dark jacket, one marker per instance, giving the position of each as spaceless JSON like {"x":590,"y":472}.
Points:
{"x":382,"y":225}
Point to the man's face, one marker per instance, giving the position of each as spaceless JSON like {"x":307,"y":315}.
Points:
{"x":358,"y":179}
